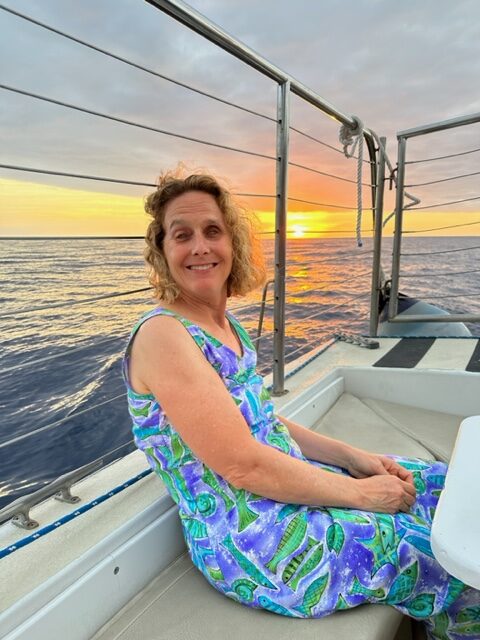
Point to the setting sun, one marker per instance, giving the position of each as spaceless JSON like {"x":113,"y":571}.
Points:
{"x":297,"y":231}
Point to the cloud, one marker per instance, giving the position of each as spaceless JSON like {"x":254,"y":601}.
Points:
{"x":396,"y":65}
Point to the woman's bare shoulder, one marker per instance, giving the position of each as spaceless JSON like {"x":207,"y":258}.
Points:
{"x":160,"y":327}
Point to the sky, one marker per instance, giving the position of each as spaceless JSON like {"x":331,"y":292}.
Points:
{"x":396,"y":65}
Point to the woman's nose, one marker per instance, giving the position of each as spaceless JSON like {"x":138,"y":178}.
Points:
{"x":200,"y":245}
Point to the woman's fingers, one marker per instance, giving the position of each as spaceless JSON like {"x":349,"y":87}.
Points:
{"x":404,"y":474}
{"x":388,"y":494}
{"x":396,"y":469}
{"x":410,"y":489}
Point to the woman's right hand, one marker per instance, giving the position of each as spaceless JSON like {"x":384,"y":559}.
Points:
{"x":387,"y":494}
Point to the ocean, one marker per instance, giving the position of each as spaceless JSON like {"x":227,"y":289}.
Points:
{"x":62,"y":396}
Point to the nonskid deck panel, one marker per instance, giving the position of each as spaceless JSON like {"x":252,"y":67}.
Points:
{"x":410,"y":352}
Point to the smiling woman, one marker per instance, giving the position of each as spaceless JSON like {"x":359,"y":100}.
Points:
{"x":222,"y":216}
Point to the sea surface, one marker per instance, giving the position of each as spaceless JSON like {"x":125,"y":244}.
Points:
{"x":62,"y":397}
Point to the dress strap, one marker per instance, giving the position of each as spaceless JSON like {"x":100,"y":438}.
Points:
{"x":206,"y":342}
{"x":242,"y":334}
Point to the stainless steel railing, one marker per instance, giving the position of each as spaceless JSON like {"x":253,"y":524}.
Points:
{"x":403,"y":137}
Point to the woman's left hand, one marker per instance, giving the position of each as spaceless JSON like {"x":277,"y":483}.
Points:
{"x":364,"y":465}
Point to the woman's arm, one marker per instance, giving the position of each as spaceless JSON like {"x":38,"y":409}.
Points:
{"x":172,"y":367}
{"x":360,"y":463}
{"x":316,"y":446}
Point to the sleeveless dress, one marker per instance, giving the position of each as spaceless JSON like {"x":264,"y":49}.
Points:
{"x":291,"y":559}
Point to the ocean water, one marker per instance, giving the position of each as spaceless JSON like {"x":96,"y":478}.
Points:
{"x":62,"y":397}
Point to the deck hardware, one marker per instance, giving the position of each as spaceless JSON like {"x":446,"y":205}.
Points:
{"x":23,"y":521}
{"x":18,"y":511}
{"x":391,"y":178}
{"x":64,"y":495}
{"x":354,"y":338}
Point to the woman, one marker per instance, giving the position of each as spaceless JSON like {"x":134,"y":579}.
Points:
{"x":274,"y":515}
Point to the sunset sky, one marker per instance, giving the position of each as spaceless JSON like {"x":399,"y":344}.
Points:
{"x":395,"y":65}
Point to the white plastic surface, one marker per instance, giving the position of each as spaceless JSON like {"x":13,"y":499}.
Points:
{"x":456,"y":525}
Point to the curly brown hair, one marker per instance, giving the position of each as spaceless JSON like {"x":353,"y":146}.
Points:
{"x":248,"y":268}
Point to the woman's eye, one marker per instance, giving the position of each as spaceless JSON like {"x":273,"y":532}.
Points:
{"x":213,"y":231}
{"x":181,"y":236}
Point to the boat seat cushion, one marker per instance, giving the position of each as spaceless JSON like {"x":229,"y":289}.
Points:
{"x":180,"y":605}
{"x":353,"y":421}
{"x":433,"y":430}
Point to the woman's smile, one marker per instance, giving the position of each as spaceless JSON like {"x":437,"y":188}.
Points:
{"x":202,"y":267}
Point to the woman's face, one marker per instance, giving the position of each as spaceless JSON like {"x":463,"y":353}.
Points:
{"x":197,"y":245}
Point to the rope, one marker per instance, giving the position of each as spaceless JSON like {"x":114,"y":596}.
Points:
{"x":352,"y":138}
{"x":354,"y":338}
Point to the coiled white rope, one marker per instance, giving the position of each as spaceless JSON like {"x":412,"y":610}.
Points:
{"x":353,"y":137}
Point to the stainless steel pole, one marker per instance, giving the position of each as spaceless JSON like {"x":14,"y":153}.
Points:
{"x":377,"y":242}
{"x":397,"y":238}
{"x":460,"y":121}
{"x":194,"y":20}
{"x":283,"y":129}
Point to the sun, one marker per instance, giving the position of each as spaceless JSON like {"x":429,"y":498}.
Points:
{"x":297,"y":231}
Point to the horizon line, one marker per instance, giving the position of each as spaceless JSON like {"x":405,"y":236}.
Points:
{"x":290,"y":235}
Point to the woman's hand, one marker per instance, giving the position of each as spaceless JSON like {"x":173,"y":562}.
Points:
{"x":363,"y":464}
{"x":387,"y":494}
{"x":387,"y":486}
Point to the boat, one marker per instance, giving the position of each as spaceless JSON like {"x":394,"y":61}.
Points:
{"x":107,"y":559}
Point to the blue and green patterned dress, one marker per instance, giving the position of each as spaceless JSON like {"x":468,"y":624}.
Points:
{"x":291,"y":559}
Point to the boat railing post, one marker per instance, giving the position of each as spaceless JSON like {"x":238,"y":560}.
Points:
{"x":397,"y":238}
{"x":377,"y":242}
{"x":283,"y":128}
{"x":261,"y":315}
